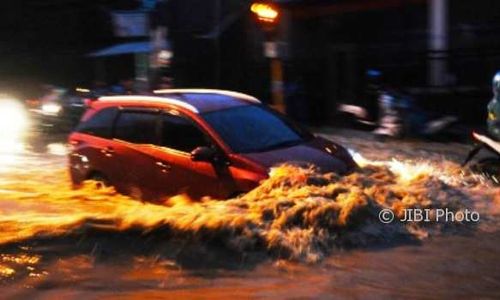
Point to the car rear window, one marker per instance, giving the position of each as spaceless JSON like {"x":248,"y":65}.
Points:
{"x":100,"y":124}
{"x":137,"y":127}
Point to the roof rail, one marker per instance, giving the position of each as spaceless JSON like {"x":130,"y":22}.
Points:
{"x":208,"y":91}
{"x":132,"y":98}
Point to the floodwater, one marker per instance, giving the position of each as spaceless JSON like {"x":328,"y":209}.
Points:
{"x":300,"y":235}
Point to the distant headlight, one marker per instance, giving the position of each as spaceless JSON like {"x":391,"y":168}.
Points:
{"x":52,"y":109}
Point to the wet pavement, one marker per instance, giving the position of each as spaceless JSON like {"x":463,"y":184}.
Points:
{"x":295,"y":237}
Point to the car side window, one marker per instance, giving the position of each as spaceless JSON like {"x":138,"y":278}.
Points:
{"x":137,"y":127}
{"x":100,"y":124}
{"x":181,"y":134}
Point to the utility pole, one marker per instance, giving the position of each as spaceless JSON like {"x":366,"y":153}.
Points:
{"x":438,"y":42}
{"x":277,"y":84}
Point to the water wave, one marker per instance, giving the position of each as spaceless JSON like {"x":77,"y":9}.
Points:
{"x":297,"y":214}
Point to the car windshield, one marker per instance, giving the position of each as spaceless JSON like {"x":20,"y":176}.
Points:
{"x":252,"y":128}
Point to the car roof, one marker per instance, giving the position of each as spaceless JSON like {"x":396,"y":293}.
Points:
{"x":194,"y":100}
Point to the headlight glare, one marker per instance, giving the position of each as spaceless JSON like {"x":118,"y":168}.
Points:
{"x":51,"y":109}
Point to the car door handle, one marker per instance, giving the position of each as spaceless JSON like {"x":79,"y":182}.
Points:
{"x":163,"y":166}
{"x":108,"y":151}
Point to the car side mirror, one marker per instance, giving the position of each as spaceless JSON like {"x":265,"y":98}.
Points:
{"x":206,"y":154}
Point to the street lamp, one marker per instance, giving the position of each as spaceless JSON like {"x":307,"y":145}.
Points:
{"x":265,"y":12}
{"x":267,"y":16}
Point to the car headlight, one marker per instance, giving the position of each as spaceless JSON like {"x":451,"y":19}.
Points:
{"x":52,"y":109}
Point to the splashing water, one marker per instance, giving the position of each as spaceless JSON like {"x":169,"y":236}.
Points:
{"x":297,"y":214}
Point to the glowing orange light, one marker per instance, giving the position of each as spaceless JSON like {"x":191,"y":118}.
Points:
{"x":265,"y":12}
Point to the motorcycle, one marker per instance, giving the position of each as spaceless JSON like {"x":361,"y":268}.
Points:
{"x":400,"y":116}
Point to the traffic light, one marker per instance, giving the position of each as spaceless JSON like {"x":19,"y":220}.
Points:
{"x":266,"y":13}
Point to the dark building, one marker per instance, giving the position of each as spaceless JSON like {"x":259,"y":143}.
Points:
{"x":441,"y":52}
{"x":332,"y":44}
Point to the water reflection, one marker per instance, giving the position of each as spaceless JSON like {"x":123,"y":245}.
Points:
{"x":13,"y":125}
{"x":13,"y":119}
{"x":59,"y":149}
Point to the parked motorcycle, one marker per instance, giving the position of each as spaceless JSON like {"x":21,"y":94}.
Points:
{"x":399,"y":116}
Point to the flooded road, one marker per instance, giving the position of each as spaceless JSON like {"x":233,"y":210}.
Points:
{"x":299,"y":235}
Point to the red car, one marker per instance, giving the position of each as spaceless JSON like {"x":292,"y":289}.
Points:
{"x":198,"y":142}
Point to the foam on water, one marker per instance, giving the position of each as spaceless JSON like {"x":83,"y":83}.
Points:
{"x":297,"y":214}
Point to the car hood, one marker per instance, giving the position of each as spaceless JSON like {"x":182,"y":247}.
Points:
{"x":323,"y":154}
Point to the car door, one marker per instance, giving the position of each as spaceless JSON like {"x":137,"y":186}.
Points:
{"x":135,"y":134}
{"x":179,"y":135}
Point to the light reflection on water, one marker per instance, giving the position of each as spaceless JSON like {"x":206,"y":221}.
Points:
{"x":11,"y":152}
{"x":451,"y":267}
